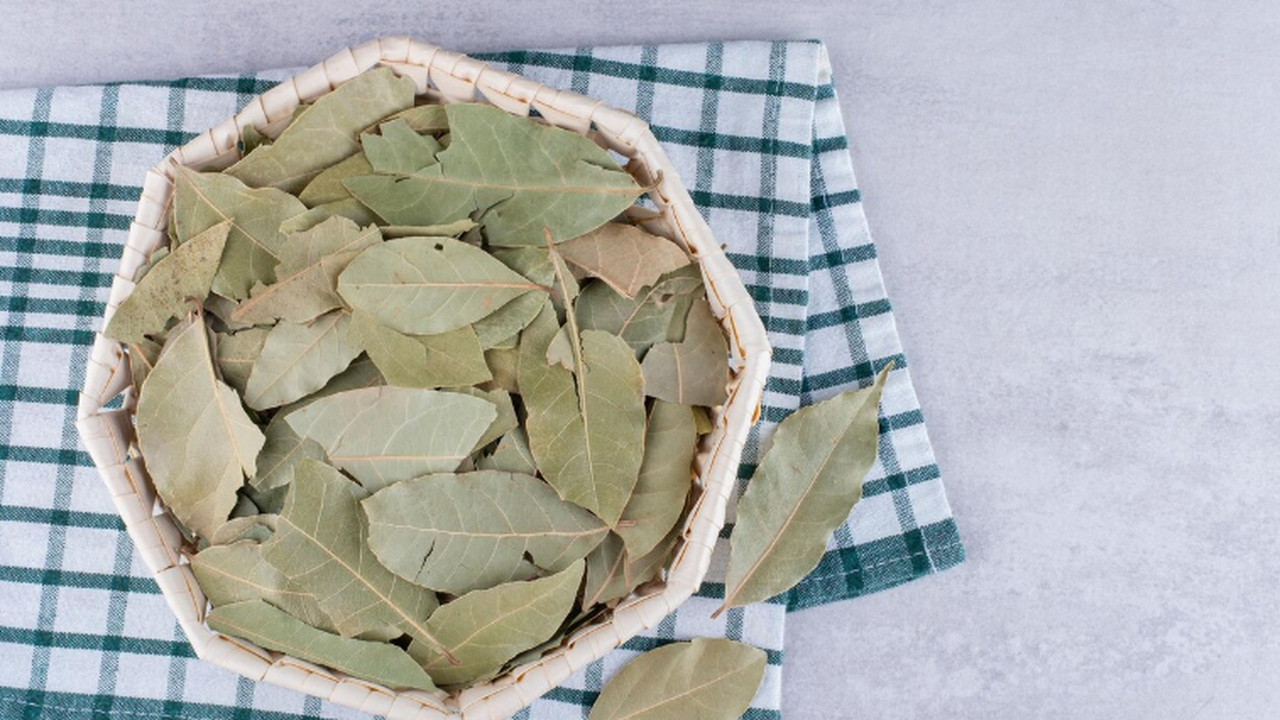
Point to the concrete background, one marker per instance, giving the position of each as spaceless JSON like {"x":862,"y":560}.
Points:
{"x":1077,"y":207}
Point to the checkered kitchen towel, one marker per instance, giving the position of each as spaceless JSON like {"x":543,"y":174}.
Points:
{"x":756,"y":133}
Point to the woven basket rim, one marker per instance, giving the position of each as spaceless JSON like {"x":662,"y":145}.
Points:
{"x":446,"y":77}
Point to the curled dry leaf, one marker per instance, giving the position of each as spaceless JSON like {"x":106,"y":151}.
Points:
{"x":802,"y":490}
{"x":707,"y":679}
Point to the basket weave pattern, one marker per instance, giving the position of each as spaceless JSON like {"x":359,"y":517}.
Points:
{"x":446,"y":77}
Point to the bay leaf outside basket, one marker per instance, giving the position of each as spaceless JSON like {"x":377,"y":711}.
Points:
{"x":446,"y":77}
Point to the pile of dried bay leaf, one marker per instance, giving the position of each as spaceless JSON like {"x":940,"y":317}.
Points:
{"x":424,"y":402}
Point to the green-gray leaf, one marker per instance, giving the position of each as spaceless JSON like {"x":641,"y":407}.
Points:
{"x":694,"y":371}
{"x":326,"y":132}
{"x":506,"y":419}
{"x":586,"y":426}
{"x":503,"y":364}
{"x":623,"y":256}
{"x":804,"y":487}
{"x":424,"y":286}
{"x":298,"y":359}
{"x":458,"y":533}
{"x":235,"y":573}
{"x":449,"y":359}
{"x":647,"y":319}
{"x":431,"y":119}
{"x":320,"y":545}
{"x":284,"y":450}
{"x":511,"y":455}
{"x":524,"y":175}
{"x":398,"y":149}
{"x":382,"y":435}
{"x":272,"y":629}
{"x":236,"y":354}
{"x":327,"y":187}
{"x":198,"y":440}
{"x":349,"y":208}
{"x":202,"y":200}
{"x":612,"y":573}
{"x":707,"y":679}
{"x":666,"y":474}
{"x":168,"y":288}
{"x":307,"y":276}
{"x":486,"y":628}
{"x":142,"y":358}
{"x":453,"y":229}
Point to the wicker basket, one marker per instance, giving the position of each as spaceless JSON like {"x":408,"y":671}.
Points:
{"x":447,"y":77}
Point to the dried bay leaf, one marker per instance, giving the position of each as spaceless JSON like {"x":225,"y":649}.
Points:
{"x":707,"y":679}
{"x":202,"y":200}
{"x":326,"y":186}
{"x":503,"y":365}
{"x":165,"y":292}
{"x":142,"y":358}
{"x":506,"y":419}
{"x":511,"y":455}
{"x":349,"y":208}
{"x":694,"y":371}
{"x":236,"y":353}
{"x":237,"y":572}
{"x":307,"y":276}
{"x":613,"y":572}
{"x":398,"y":149}
{"x":805,"y":486}
{"x":486,"y":628}
{"x":199,"y":442}
{"x":623,"y":256}
{"x":424,"y":286}
{"x":524,"y":175}
{"x":645,"y":320}
{"x":459,"y":533}
{"x":666,"y":474}
{"x":382,"y":435}
{"x":250,"y":526}
{"x":320,"y":545}
{"x":449,"y":359}
{"x":298,"y":359}
{"x":283,"y":451}
{"x":431,"y":119}
{"x":453,"y":229}
{"x":361,"y":373}
{"x":218,"y":314}
{"x":156,"y":256}
{"x":264,"y":625}
{"x":702,"y":420}
{"x":326,"y":132}
{"x":585,"y":426}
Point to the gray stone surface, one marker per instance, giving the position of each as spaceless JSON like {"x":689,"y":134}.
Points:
{"x":1077,"y":207}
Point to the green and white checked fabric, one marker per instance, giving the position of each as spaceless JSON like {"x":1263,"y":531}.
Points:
{"x":754,"y":129}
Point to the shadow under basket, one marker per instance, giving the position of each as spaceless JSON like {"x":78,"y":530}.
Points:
{"x":440,"y":77}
